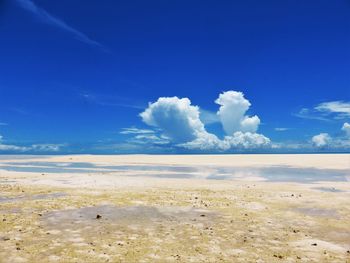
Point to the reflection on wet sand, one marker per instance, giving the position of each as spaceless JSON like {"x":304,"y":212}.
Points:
{"x":271,"y":173}
{"x":127,"y":215}
{"x":322,"y":212}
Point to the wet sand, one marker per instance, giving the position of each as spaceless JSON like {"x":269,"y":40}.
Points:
{"x":140,"y":208}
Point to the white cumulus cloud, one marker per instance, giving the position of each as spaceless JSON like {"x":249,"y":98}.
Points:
{"x":338,"y":142}
{"x":177,"y":118}
{"x":179,"y":121}
{"x":321,"y":140}
{"x":232,"y":113}
{"x":247,"y":140}
{"x":239,"y":140}
{"x":346,"y":129}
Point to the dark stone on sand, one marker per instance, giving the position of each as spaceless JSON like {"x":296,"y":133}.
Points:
{"x":278,"y":256}
{"x":98,"y":216}
{"x":314,"y":244}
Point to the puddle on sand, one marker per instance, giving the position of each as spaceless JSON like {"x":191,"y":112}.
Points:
{"x":21,"y":157}
{"x":318,"y":212}
{"x":7,"y":181}
{"x":110,"y":214}
{"x":53,"y":164}
{"x":328,"y":189}
{"x":44,"y":169}
{"x":61,"y":167}
{"x":302,"y":175}
{"x":168,"y":175}
{"x":31,"y":197}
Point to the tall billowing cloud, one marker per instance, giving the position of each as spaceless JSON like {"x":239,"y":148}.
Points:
{"x":180,"y":121}
{"x":232,"y":113}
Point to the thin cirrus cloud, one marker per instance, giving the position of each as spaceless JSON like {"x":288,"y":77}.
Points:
{"x":310,"y":114}
{"x":46,"y":147}
{"x":340,"y":108}
{"x":47,"y":18}
{"x":110,"y":101}
{"x":281,"y":129}
{"x":30,"y":148}
{"x":326,"y":111}
{"x":144,"y":136}
{"x":179,"y":122}
{"x":134,"y":130}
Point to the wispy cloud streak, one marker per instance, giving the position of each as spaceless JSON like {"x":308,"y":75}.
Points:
{"x":46,"y":17}
{"x":111,"y":101}
{"x":341,"y":108}
{"x":326,"y":111}
{"x":281,"y":129}
{"x":311,"y":114}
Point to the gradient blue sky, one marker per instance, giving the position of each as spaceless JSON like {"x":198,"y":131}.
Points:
{"x":74,"y":74}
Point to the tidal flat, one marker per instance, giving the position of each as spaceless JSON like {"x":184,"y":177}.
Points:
{"x":181,"y":208}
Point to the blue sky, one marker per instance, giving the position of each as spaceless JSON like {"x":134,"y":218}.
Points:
{"x":78,"y":76}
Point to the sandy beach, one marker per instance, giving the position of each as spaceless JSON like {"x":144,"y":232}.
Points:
{"x":175,"y":208}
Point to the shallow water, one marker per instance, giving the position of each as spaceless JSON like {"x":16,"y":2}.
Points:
{"x":271,"y":173}
{"x":318,"y":212}
{"x":124,"y":215}
{"x":328,"y":189}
